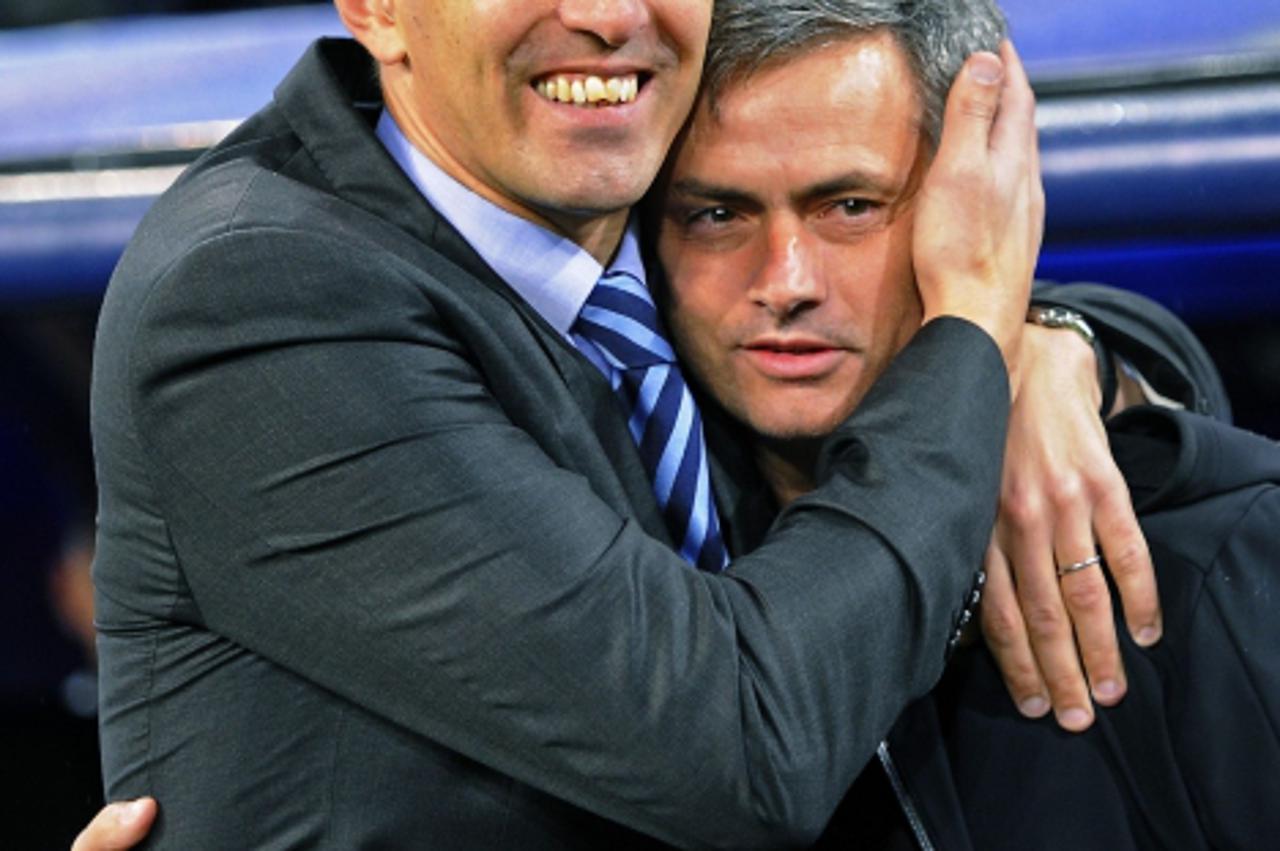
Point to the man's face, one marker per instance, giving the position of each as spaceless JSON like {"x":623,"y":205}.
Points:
{"x":493,"y":83}
{"x":785,"y":234}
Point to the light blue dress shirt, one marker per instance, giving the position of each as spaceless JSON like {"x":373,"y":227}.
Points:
{"x":549,"y":271}
{"x":554,"y":275}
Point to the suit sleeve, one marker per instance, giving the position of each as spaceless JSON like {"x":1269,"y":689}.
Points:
{"x":346,"y":496}
{"x":1149,"y":337}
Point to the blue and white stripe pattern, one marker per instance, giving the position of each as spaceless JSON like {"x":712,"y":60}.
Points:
{"x":556,"y":276}
{"x":620,"y":320}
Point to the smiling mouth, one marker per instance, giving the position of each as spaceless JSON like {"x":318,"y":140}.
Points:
{"x":589,"y":90}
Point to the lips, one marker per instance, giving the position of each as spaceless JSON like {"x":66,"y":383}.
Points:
{"x":794,"y":359}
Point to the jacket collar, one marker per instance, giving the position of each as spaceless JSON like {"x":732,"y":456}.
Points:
{"x":1172,"y":458}
{"x":332,"y":100}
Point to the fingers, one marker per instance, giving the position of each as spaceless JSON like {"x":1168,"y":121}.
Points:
{"x":971,"y":109}
{"x":1129,"y":561}
{"x":1014,"y":131}
{"x":1049,"y":626}
{"x":991,"y":106}
{"x":1006,"y":636}
{"x":117,"y":826}
{"x":1015,"y":137}
{"x":1064,"y":502}
{"x":1087,"y":598}
{"x":978,"y":223}
{"x":1033,"y":133}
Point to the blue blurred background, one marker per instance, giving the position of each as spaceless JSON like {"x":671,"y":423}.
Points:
{"x":1160,"y":129}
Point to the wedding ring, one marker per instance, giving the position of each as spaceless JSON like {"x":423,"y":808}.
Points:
{"x":1080,"y":565}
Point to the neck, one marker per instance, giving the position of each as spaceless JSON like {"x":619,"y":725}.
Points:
{"x":789,"y":466}
{"x":599,"y":234}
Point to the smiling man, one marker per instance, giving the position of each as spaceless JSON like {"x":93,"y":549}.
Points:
{"x":559,"y":113}
{"x":382,"y":560}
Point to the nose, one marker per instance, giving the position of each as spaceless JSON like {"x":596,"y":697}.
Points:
{"x":615,"y":22}
{"x":789,"y":278}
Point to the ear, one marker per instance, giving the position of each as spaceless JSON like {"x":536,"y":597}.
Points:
{"x":373,"y":23}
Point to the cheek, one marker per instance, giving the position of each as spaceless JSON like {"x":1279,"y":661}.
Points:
{"x":699,"y":321}
{"x":683,"y":28}
{"x":700,"y":285}
{"x":903,"y":309}
{"x":909,"y":323}
{"x":686,"y":23}
{"x":886,"y":298}
{"x":692,"y":319}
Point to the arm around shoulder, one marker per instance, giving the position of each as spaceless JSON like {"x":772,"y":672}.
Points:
{"x":344,"y":494}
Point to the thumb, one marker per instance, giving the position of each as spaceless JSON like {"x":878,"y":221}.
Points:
{"x":117,"y":826}
{"x":971,"y":109}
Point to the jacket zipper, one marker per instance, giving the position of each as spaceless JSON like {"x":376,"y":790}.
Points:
{"x":904,"y":798}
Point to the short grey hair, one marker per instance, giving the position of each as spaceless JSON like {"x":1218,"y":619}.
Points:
{"x":936,"y":36}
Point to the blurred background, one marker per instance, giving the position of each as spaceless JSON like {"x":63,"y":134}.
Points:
{"x":1160,"y":128}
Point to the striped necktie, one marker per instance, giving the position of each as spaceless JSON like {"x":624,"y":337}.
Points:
{"x":619,"y":319}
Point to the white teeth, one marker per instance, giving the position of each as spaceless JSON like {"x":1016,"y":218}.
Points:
{"x":589,"y":89}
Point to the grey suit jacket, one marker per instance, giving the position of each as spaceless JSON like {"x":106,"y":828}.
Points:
{"x":378,"y":565}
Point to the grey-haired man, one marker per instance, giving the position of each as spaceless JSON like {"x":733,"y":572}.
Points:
{"x":785,"y":218}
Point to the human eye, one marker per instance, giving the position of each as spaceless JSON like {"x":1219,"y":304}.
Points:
{"x":709,"y":222}
{"x":712,"y":223}
{"x":852,"y":208}
{"x":850,"y":218}
{"x":710,"y":217}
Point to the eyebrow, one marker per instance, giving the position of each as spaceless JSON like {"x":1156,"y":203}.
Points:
{"x":852,"y":181}
{"x":691,"y":187}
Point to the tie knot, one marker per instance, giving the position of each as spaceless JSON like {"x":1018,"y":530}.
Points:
{"x":619,"y":317}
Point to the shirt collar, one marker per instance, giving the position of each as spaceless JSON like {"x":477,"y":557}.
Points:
{"x":551,"y":272}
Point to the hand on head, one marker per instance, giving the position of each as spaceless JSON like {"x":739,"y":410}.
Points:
{"x":978,"y":228}
{"x":980,"y":213}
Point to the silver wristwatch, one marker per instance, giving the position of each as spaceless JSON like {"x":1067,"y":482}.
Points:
{"x":1061,"y":317}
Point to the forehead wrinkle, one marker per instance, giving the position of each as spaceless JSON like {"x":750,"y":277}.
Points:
{"x":729,"y":167}
{"x":864,"y":87}
{"x":828,"y":126}
{"x":866,"y":61}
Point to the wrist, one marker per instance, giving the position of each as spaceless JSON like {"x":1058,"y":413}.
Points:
{"x":1052,"y":316}
{"x":1064,"y":319}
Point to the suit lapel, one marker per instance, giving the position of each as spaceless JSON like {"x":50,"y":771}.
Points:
{"x":316,"y":98}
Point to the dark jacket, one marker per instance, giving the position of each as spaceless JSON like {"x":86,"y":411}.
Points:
{"x":1190,"y":759}
{"x":913,"y":794}
{"x":379,"y":566}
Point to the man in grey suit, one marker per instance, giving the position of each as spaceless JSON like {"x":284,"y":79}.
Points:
{"x":378,"y":560}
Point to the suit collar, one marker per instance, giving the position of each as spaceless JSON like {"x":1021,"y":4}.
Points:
{"x":332,"y":100}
